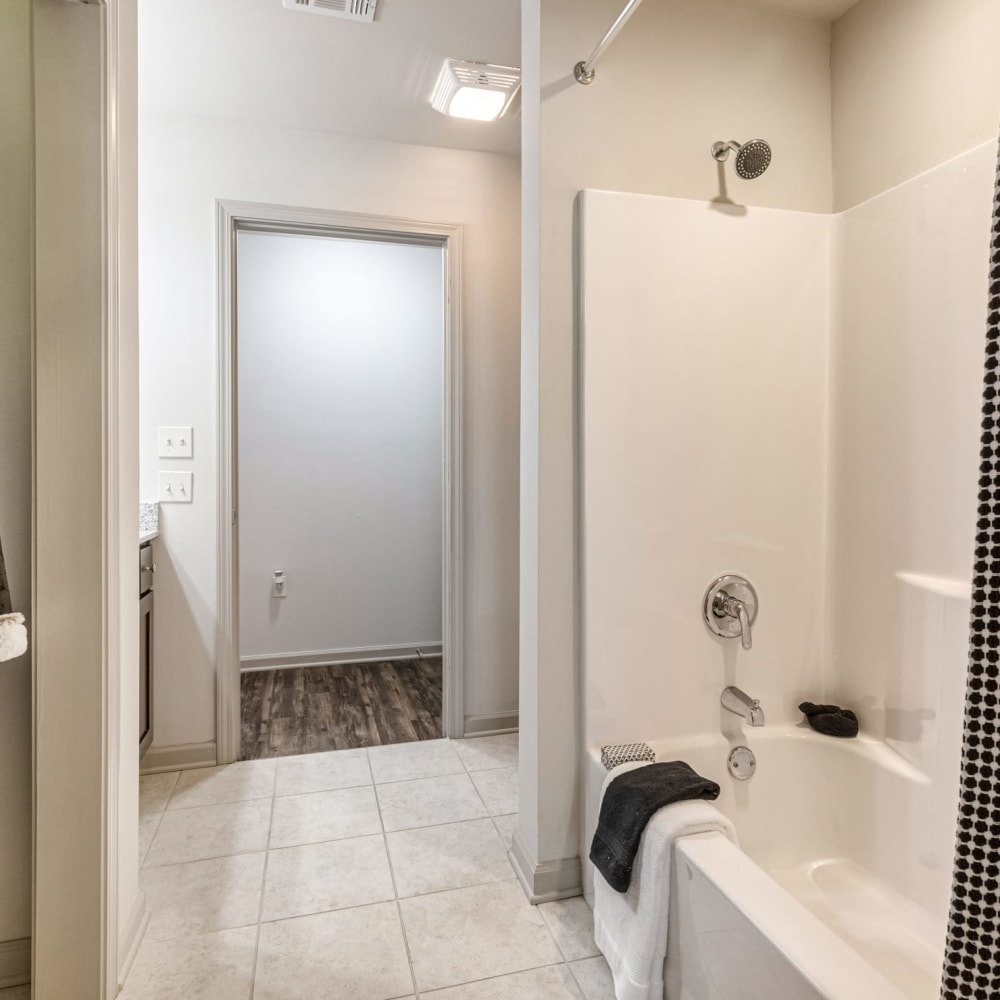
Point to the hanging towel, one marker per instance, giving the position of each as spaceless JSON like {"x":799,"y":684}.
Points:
{"x":628,"y":803}
{"x":13,"y":636}
{"x":630,"y":928}
{"x":5,"y":605}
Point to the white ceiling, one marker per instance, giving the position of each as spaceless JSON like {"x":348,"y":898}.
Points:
{"x":829,"y":10}
{"x":252,"y":60}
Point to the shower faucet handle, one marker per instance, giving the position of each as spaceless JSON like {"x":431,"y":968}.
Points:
{"x":730,"y":608}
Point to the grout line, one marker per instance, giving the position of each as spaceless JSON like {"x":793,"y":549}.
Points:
{"x":395,"y":891}
{"x":263,"y":885}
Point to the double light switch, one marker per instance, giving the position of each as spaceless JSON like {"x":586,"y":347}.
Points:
{"x":175,"y":442}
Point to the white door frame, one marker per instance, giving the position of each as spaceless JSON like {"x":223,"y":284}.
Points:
{"x":85,"y":462}
{"x":231,"y":217}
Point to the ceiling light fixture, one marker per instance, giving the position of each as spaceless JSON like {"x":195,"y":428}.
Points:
{"x":475,"y":90}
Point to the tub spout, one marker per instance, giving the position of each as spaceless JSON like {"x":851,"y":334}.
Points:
{"x":740,"y":703}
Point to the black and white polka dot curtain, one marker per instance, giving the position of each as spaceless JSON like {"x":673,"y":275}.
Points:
{"x":971,"y":963}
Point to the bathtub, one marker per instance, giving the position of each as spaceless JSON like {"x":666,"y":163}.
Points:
{"x":839,"y":889}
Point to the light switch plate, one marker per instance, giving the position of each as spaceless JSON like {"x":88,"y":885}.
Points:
{"x":174,"y":487}
{"x":175,"y":442}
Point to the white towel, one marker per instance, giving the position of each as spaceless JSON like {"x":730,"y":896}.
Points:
{"x":13,"y":636}
{"x":630,"y":927}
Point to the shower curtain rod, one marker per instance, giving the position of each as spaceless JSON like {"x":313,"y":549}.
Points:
{"x":584,"y":71}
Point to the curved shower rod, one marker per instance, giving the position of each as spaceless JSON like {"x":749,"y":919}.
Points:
{"x":584,"y":71}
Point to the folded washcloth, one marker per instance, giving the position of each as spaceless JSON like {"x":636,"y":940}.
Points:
{"x":831,"y":720}
{"x":13,"y":636}
{"x":630,"y":928}
{"x":626,"y":807}
{"x":623,"y":753}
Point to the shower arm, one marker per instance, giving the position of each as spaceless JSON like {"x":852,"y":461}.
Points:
{"x":584,"y":71}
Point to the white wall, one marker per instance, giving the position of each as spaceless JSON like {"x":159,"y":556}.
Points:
{"x":680,"y":76}
{"x":704,"y":345}
{"x":340,"y":395}
{"x":185,"y":164}
{"x":15,"y":458}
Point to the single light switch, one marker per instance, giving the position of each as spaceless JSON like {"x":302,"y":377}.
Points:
{"x":175,"y":442}
{"x":174,"y":487}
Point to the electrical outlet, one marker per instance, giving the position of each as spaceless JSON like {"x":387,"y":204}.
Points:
{"x":175,"y":442}
{"x":174,"y":487}
{"x":279,"y":586}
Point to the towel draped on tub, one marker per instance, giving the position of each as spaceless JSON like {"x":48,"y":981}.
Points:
{"x":630,"y":927}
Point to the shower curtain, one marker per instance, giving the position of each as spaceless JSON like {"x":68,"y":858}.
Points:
{"x":971,"y":962}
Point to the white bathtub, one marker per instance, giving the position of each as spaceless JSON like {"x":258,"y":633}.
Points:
{"x":839,"y":890}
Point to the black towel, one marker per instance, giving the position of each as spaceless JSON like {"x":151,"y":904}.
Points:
{"x":627,"y":806}
{"x":5,"y":604}
{"x":830,"y":720}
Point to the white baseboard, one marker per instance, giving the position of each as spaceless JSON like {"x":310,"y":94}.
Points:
{"x":179,"y":757}
{"x":545,"y":881}
{"x":131,"y":937}
{"x":323,"y":657}
{"x":15,"y":962}
{"x":491,"y":725}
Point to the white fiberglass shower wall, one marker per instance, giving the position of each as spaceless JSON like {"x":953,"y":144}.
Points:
{"x":794,"y":397}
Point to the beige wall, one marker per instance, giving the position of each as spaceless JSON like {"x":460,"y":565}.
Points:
{"x":15,"y":457}
{"x":915,"y":82}
{"x":680,"y":76}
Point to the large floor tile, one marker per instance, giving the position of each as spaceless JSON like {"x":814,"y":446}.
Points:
{"x":327,"y":876}
{"x":405,"y":761}
{"x":468,"y":934}
{"x":215,"y":966}
{"x":506,"y":826}
{"x":355,"y":954}
{"x":203,"y":896}
{"x":148,"y":825}
{"x":594,"y":978}
{"x":434,"y":858}
{"x":429,"y":802}
{"x":318,"y":816}
{"x":210,"y":832}
{"x":154,"y":791}
{"x":554,"y":982}
{"x":498,"y":787}
{"x":483,"y":753}
{"x":207,"y":786}
{"x":572,"y":924}
{"x":322,"y":772}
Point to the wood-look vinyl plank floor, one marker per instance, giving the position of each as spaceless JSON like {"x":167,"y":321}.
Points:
{"x":339,"y":706}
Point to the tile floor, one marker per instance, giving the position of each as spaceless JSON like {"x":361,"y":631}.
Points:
{"x":351,"y":875}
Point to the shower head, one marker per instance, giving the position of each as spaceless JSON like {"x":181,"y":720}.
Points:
{"x":752,"y":158}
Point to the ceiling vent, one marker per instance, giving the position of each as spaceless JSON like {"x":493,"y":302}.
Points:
{"x":354,"y":10}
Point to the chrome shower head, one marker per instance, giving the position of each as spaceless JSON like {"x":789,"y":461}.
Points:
{"x":752,"y":158}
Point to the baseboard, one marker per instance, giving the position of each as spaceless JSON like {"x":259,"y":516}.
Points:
{"x":323,"y":657}
{"x":179,"y":757}
{"x":548,"y":880}
{"x":15,"y":962}
{"x":131,"y":937}
{"x":491,"y":725}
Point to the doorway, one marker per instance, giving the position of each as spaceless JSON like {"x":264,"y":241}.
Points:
{"x":340,"y":475}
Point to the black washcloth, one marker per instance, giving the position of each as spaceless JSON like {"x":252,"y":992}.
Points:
{"x":627,"y":806}
{"x":831,"y":720}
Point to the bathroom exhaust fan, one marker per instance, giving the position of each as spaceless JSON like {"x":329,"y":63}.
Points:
{"x":475,"y":90}
{"x":354,"y":10}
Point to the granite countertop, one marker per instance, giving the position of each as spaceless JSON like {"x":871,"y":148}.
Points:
{"x":149,"y":522}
